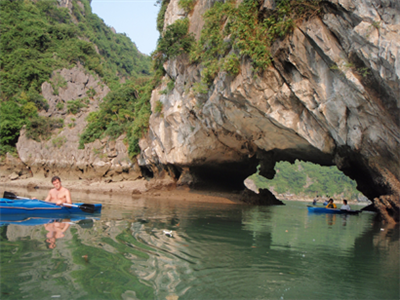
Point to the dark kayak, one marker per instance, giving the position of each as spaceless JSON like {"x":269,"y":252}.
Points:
{"x":42,"y":208}
{"x":323,"y":210}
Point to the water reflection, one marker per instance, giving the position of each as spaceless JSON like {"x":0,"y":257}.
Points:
{"x":56,"y":231}
{"x":330,"y":219}
{"x":215,"y":252}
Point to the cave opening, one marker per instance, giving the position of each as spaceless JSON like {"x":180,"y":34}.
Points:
{"x":302,"y":179}
{"x":222,"y":177}
{"x":147,"y":172}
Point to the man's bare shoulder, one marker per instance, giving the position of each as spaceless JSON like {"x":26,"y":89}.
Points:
{"x":52,"y":191}
{"x":64,"y":190}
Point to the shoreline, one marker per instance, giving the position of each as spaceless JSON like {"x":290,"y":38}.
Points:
{"x":141,"y":188}
{"x":37,"y":187}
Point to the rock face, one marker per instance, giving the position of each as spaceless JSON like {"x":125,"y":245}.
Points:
{"x":105,"y":159}
{"x":331,"y":96}
{"x":12,"y":168}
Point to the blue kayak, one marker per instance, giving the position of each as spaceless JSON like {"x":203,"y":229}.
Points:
{"x":324,"y":210}
{"x":42,"y":208}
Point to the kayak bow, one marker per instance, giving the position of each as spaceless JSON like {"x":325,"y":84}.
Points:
{"x":324,"y":210}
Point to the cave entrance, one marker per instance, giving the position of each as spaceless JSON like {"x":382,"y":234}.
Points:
{"x":305,"y":180}
{"x":223,"y":177}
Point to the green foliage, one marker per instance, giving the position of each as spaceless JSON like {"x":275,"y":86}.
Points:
{"x":376,"y":24}
{"x":116,"y":111}
{"x":142,"y":115}
{"x":60,"y":105}
{"x":15,"y":114}
{"x":75,"y":106}
{"x":170,"y":87}
{"x":91,"y":93}
{"x":11,"y":123}
{"x":4,"y":149}
{"x":40,"y":128}
{"x":161,"y":14}
{"x":32,"y":96}
{"x":38,"y":37}
{"x":232,"y":64}
{"x":334,"y":67}
{"x":187,"y":5}
{"x":59,"y":141}
{"x":209,"y":73}
{"x":57,"y":81}
{"x":231,"y":32}
{"x":212,"y":46}
{"x":124,"y":110}
{"x":364,"y":72}
{"x":159,"y":107}
{"x":200,"y":88}
{"x":176,"y":40}
{"x":308,"y":179}
{"x":33,"y":44}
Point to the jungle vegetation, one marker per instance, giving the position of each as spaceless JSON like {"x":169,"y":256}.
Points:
{"x":230,"y":33}
{"x":124,"y":110}
{"x":307,"y":179}
{"x":38,"y":37}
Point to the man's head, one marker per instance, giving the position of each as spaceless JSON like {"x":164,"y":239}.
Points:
{"x":56,"y":181}
{"x":331,"y":200}
{"x":52,"y":243}
{"x":345,"y":201}
{"x":54,"y":178}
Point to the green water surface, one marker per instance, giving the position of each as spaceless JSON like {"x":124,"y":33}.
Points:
{"x":215,"y":252}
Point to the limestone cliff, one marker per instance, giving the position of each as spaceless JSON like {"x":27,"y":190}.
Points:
{"x":75,"y":54}
{"x":107,"y":159}
{"x":331,"y":96}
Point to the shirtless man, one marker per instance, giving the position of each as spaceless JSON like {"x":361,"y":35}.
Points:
{"x":59,"y":194}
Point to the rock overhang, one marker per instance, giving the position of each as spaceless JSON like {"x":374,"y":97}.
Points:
{"x":331,"y":96}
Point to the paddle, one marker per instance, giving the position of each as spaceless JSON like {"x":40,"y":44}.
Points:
{"x":12,"y":196}
{"x":89,"y":208}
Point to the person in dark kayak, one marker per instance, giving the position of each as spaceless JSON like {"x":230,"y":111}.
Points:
{"x":331,"y":204}
{"x":59,"y":194}
{"x":345,"y":206}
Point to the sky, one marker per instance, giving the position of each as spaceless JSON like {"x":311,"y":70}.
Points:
{"x":136,"y":18}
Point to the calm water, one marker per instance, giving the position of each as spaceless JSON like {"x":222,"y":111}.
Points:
{"x":215,"y":252}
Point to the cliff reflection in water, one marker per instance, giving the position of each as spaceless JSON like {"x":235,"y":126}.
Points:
{"x":216,"y":251}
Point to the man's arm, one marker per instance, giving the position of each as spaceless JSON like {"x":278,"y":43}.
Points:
{"x":48,"y":198}
{"x":68,"y":197}
{"x":65,"y":227}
